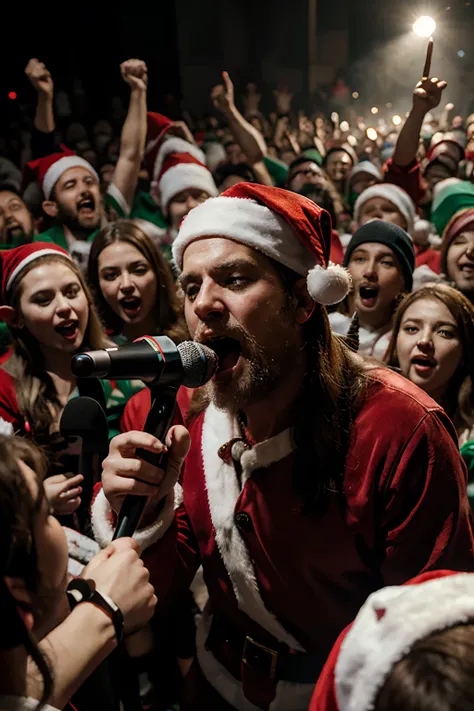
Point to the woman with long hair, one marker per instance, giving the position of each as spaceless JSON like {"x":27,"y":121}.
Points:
{"x":433,"y":345}
{"x":133,"y":285}
{"x":50,"y":315}
{"x":44,"y":657}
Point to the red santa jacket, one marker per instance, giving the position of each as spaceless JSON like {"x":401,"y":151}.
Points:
{"x":281,"y":576}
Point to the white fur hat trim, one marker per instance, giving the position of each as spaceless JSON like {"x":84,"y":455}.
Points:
{"x":388,"y":625}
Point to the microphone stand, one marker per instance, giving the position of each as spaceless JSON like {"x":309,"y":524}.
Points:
{"x":158,"y":422}
{"x":140,"y":645}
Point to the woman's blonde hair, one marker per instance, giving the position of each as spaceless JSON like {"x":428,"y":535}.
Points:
{"x":459,"y":401}
{"x":168,"y":310}
{"x":35,"y":390}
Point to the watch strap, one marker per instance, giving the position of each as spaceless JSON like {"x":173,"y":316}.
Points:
{"x":81,"y":590}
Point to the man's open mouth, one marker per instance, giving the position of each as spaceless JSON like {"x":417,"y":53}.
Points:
{"x":14,"y":231}
{"x":86,"y":205}
{"x":227,"y":349}
{"x":368,"y":295}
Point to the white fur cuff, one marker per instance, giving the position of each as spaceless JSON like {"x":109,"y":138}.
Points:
{"x":103,"y":530}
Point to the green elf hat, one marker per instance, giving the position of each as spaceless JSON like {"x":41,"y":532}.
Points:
{"x":450,"y":196}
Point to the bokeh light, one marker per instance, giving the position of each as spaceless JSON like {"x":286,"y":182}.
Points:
{"x":396,"y":120}
{"x":12,"y":95}
{"x":374,"y":110}
{"x":355,"y":94}
{"x":372,"y":134}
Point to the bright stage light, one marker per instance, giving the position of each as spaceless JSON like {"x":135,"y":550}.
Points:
{"x":396,"y":120}
{"x":424,"y":26}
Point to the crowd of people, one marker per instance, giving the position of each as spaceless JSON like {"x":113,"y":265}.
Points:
{"x":308,"y":543}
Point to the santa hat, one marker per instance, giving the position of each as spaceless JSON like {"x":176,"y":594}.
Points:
{"x":185,"y":160}
{"x":284,"y":226}
{"x":397,"y":196}
{"x":387,"y":627}
{"x":13,"y":261}
{"x":177,"y":172}
{"x":366,"y":167}
{"x":47,"y":171}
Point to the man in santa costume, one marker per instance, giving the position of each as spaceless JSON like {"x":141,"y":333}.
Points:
{"x":410,"y":647}
{"x":312,"y":479}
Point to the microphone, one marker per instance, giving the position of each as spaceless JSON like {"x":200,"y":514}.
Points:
{"x":152,"y":359}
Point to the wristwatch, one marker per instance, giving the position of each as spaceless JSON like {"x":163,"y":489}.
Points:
{"x":81,"y":590}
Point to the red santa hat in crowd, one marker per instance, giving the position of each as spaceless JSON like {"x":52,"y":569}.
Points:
{"x":387,"y":627}
{"x":173,"y":163}
{"x":13,"y":261}
{"x":284,"y":226}
{"x":47,"y":171}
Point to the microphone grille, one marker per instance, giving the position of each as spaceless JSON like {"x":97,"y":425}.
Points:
{"x":199,"y":363}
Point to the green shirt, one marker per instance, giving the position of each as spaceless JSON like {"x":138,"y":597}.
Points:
{"x":114,"y":202}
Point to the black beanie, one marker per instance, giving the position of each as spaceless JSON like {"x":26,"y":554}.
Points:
{"x":394,"y":237}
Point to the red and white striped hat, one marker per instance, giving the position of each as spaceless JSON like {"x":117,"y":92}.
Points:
{"x":173,"y":163}
{"x":49,"y":169}
{"x":13,"y":261}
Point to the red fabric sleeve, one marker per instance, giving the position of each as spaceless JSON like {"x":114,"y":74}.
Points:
{"x":9,"y":410}
{"x":173,"y":560}
{"x":425,"y":515}
{"x":407,"y":177}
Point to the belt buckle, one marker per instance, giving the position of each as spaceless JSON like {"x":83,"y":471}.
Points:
{"x":254,"y":651}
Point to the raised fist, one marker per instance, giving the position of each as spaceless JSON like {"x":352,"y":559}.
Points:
{"x":222,"y":95}
{"x":40,"y":77}
{"x":135,"y":73}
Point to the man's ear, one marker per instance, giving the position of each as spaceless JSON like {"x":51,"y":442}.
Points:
{"x":50,"y":207}
{"x":303,"y":303}
{"x":7,"y":314}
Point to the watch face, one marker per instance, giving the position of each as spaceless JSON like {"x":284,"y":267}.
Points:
{"x":83,"y":586}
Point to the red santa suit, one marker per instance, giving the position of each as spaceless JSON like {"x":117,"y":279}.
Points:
{"x":292,"y":582}
{"x":282,"y":583}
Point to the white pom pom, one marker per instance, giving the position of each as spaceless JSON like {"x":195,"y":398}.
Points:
{"x":6,"y":428}
{"x":421,"y":232}
{"x":328,"y":286}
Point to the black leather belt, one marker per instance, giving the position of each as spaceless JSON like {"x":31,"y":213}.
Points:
{"x":276,"y":662}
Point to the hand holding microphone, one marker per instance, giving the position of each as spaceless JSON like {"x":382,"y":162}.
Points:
{"x":125,"y":473}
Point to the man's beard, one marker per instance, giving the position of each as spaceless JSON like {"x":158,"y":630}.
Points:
{"x":74,"y":223}
{"x":263,"y":371}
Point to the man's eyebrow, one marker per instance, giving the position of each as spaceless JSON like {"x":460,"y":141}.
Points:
{"x":228,"y":266}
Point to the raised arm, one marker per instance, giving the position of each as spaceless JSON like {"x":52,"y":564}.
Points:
{"x":42,"y":82}
{"x":426,"y":97}
{"x":132,"y":140}
{"x":249,"y":139}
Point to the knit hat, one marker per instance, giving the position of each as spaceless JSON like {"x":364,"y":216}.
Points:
{"x":387,"y":627}
{"x":12,"y":261}
{"x":346,"y":148}
{"x":314,"y":155}
{"x":366,"y":166}
{"x":450,"y":199}
{"x":173,"y":163}
{"x":392,"y":236}
{"x":442,"y":152}
{"x":395,"y":195}
{"x":284,"y":226}
{"x":47,"y":171}
{"x":462,"y":221}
